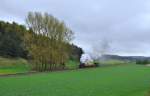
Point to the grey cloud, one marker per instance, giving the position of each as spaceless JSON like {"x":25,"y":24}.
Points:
{"x":125,"y":23}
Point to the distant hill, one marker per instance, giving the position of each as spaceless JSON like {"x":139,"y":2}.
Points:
{"x":126,"y":58}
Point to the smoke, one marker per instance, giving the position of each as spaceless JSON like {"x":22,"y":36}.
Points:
{"x":86,"y":59}
{"x":101,"y":48}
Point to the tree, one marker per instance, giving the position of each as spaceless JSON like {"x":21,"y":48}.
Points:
{"x":11,"y":40}
{"x":75,"y":53}
{"x":47,"y":48}
{"x":48,"y":44}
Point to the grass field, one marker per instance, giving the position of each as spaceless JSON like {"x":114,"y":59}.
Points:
{"x":113,"y":62}
{"x":123,"y":80}
{"x":13,"y":66}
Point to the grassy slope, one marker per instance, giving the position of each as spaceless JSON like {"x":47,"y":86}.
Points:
{"x":12,"y":66}
{"x":113,"y":62}
{"x":72,"y":64}
{"x":125,"y":80}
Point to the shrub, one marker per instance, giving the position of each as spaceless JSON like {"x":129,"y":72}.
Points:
{"x":142,"y":62}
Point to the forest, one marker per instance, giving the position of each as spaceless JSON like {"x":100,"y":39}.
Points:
{"x":45,"y":42}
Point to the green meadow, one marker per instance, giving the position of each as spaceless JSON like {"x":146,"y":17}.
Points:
{"x":122,"y":80}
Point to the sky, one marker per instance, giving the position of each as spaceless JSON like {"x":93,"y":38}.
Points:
{"x":124,"y":24}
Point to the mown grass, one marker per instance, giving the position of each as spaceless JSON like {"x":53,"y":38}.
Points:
{"x":123,"y":80}
{"x":13,"y":66}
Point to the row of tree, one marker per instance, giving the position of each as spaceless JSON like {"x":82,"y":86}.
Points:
{"x":46,"y":43}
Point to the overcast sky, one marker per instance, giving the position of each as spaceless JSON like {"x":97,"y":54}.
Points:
{"x":125,"y":24}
